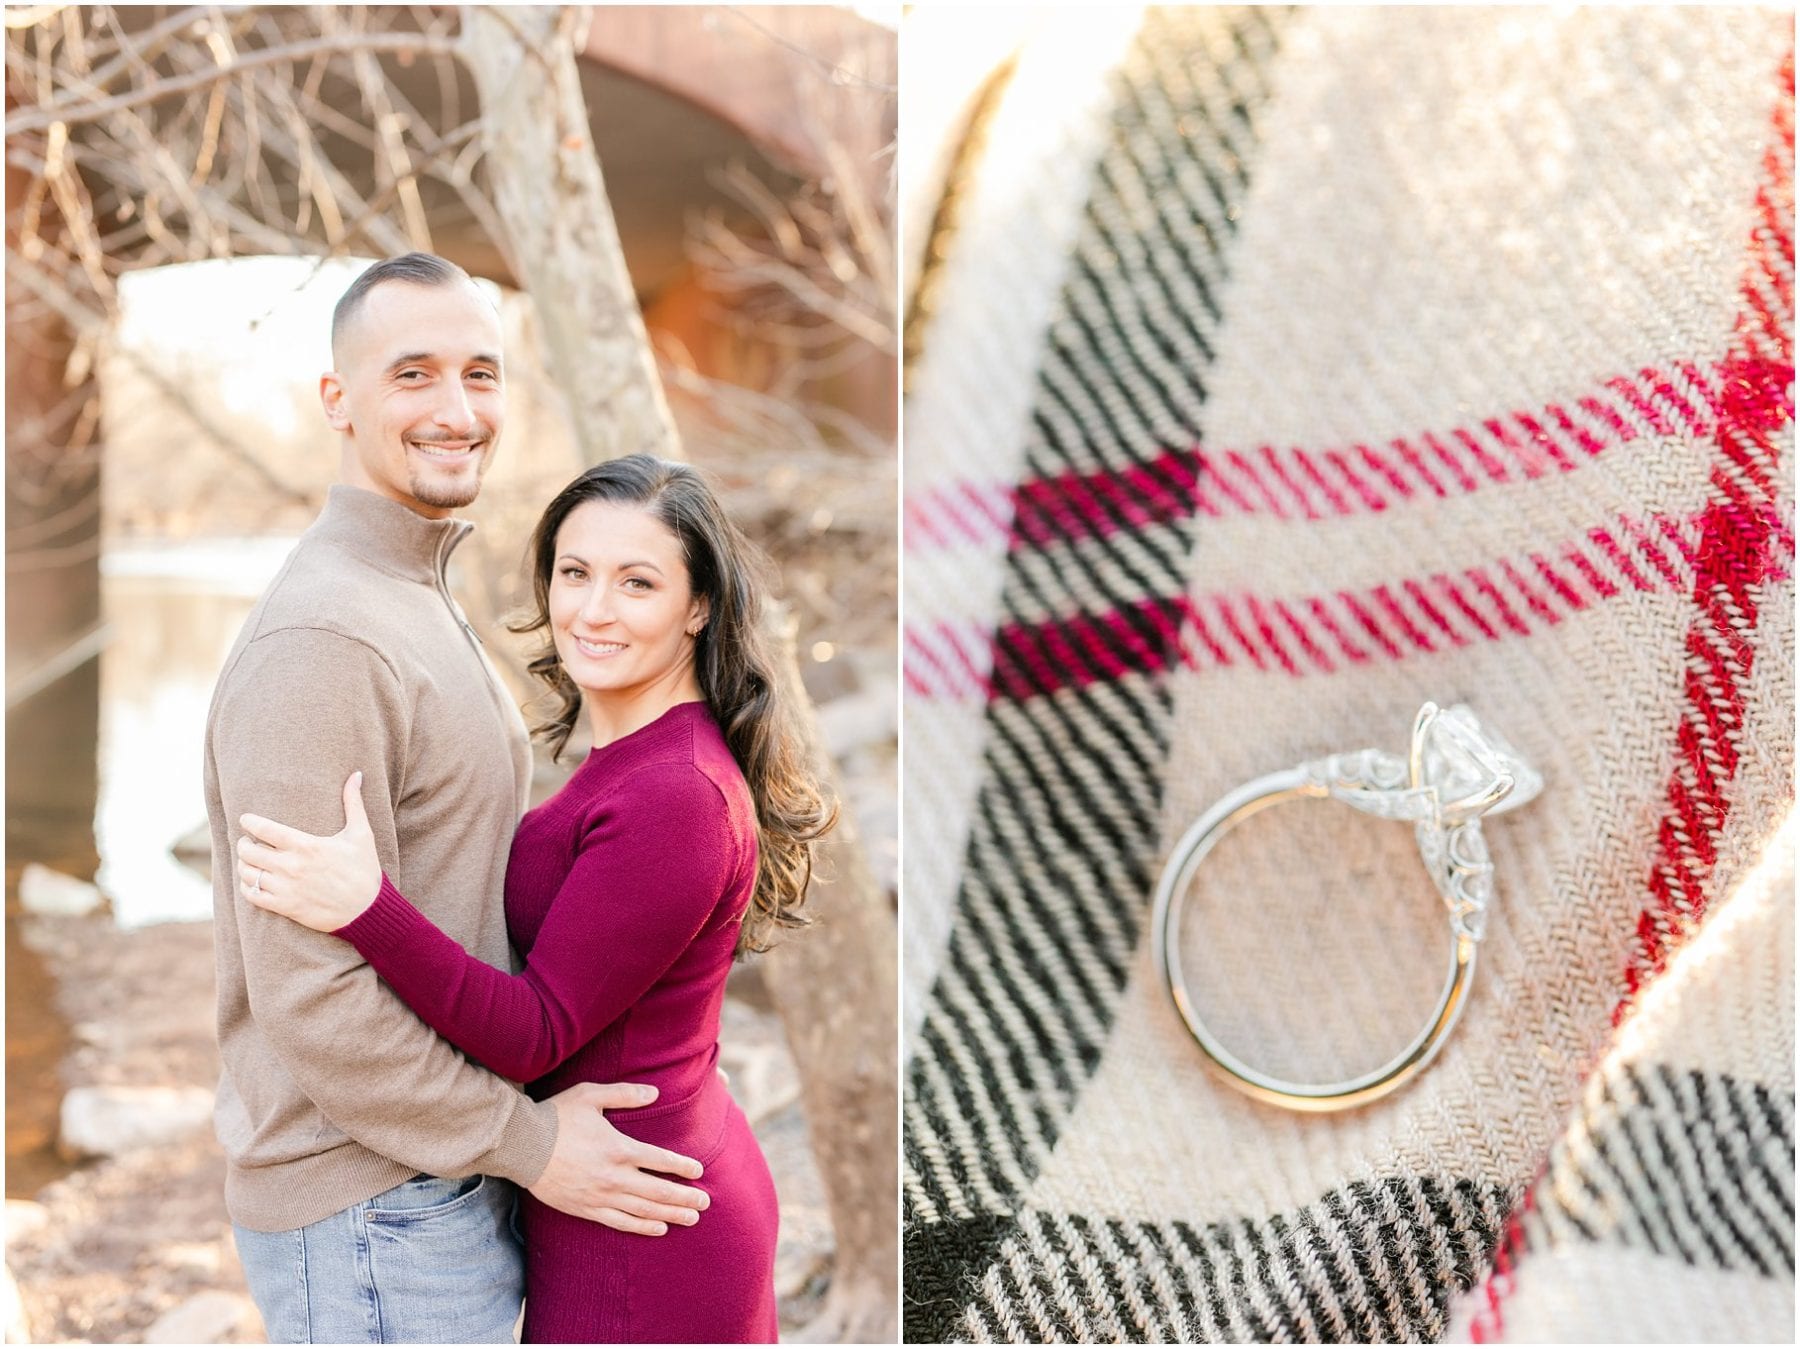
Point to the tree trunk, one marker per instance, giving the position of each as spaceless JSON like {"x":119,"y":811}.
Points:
{"x":836,"y":986}
{"x":53,"y":618}
{"x":833,"y":984}
{"x":53,"y":633}
{"x":561,"y":242}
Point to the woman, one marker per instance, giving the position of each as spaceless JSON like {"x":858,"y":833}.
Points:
{"x":684,"y":838}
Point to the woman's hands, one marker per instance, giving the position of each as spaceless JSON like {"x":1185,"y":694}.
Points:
{"x":322,"y":881}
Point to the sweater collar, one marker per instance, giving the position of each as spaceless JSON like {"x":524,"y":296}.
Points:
{"x":672,"y":722}
{"x":388,"y":535}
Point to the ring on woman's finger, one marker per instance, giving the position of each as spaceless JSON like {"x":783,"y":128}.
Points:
{"x":256,"y":885}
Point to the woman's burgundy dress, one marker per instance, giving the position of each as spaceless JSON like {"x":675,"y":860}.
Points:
{"x":624,"y":894}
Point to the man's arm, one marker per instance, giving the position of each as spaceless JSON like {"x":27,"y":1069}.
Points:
{"x":304,"y":707}
{"x":642,"y":888}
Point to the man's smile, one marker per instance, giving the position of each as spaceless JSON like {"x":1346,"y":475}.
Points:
{"x":447,"y":450}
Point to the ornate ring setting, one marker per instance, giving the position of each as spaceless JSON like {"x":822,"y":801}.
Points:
{"x":1455,"y":772}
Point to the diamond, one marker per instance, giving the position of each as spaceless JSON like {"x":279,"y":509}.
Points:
{"x":1465,"y":761}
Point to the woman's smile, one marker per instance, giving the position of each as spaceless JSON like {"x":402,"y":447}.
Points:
{"x":597,"y":650}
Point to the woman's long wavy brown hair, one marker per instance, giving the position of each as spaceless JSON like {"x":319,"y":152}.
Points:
{"x":731,"y":662}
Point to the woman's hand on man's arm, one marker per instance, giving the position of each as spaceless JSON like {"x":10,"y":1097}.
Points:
{"x":323,"y":882}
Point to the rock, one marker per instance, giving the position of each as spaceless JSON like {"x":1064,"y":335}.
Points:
{"x":212,"y":1317}
{"x":48,"y":892}
{"x":797,"y":1273}
{"x":194,"y":850}
{"x":876,"y":811}
{"x":18,"y":1327}
{"x":107,"y":1121}
{"x":24,"y":1219}
{"x":762,"y":1079}
{"x":745,"y":984}
{"x":867,"y":718}
{"x":197,"y":1257}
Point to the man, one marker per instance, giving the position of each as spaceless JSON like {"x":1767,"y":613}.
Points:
{"x":370,"y":1165}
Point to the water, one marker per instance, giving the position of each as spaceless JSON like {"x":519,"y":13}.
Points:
{"x":173,"y":613}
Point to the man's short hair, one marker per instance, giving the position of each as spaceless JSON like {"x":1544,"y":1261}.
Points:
{"x":420,"y":269}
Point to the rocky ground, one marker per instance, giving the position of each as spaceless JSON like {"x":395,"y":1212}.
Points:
{"x":137,"y":1248}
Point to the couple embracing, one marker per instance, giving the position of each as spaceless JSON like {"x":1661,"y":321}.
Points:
{"x":366,"y":773}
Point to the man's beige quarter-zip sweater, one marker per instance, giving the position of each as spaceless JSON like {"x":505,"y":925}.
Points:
{"x":358,"y":658}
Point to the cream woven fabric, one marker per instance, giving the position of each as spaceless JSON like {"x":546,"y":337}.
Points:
{"x":1666,"y":1210}
{"x":1323,"y":362}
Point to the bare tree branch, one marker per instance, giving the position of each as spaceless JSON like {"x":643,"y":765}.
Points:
{"x":93,"y":325}
{"x":138,"y":52}
{"x":29,"y":16}
{"x":81,"y":110}
{"x":49,"y":526}
{"x":225,"y":441}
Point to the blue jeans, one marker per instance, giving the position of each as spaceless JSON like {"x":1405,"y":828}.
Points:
{"x":428,"y":1262}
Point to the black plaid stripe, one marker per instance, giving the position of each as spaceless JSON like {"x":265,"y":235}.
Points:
{"x":1064,"y":834}
{"x":1693,"y":1165}
{"x":1372,"y":1262}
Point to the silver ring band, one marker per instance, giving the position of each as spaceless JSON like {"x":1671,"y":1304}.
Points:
{"x":1455,"y":772}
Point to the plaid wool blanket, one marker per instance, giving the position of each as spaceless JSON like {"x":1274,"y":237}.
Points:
{"x":1285,"y":369}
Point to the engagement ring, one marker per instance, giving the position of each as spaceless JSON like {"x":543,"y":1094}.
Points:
{"x":1455,"y":772}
